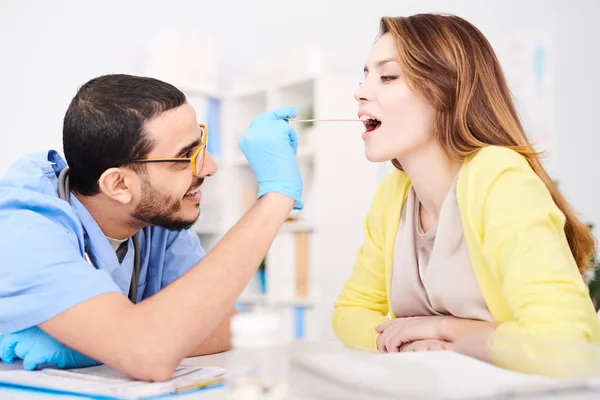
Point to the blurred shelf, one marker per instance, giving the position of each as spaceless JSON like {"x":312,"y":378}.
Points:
{"x":208,"y":229}
{"x":239,"y":160}
{"x":269,"y":301}
{"x":294,"y":82}
{"x":286,"y":227}
{"x":304,"y":154}
{"x":297,"y":226}
{"x":248,"y":91}
{"x":256,"y":89}
{"x":195,"y":92}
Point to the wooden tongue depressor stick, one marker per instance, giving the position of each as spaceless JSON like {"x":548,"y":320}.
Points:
{"x":322,"y":120}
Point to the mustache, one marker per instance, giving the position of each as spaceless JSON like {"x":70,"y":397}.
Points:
{"x":197,"y":183}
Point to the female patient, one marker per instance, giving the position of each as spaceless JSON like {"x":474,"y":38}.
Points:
{"x":468,"y":231}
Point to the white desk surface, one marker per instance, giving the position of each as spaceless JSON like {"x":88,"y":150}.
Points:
{"x":331,"y":390}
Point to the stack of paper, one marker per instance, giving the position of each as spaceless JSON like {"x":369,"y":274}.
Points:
{"x":430,"y":375}
{"x":105,"y":382}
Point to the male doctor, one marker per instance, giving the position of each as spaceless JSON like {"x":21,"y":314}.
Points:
{"x":98,"y":261}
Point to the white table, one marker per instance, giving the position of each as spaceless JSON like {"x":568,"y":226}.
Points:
{"x":299,"y":379}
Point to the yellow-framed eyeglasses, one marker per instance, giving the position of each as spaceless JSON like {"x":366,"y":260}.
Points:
{"x":196,"y":160}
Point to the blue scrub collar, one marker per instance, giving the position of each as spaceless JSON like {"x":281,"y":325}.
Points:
{"x":100,"y":251}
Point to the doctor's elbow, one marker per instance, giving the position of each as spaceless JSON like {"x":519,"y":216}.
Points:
{"x":159,"y":373}
{"x":149,"y":367}
{"x":155,"y":372}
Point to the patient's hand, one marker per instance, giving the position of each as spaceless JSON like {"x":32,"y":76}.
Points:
{"x":425,"y":345}
{"x":400,"y":331}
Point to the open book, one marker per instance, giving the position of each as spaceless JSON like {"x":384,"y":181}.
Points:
{"x":352,"y":374}
{"x":107,"y":383}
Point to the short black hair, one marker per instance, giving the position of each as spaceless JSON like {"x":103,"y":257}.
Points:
{"x":104,"y":125}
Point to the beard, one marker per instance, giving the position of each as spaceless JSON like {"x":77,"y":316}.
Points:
{"x":158,"y":209}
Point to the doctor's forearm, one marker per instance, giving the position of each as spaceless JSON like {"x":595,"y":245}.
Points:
{"x":147,"y":340}
{"x":188,"y":310}
{"x":219,"y":339}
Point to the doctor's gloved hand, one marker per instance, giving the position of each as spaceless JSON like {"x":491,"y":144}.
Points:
{"x":270,"y":145}
{"x":36,"y":348}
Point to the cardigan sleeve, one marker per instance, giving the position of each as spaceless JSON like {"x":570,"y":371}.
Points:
{"x":362,"y":303}
{"x":524,"y":243}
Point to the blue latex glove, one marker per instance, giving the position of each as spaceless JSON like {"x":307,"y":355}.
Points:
{"x":37,"y":349}
{"x":270,"y":145}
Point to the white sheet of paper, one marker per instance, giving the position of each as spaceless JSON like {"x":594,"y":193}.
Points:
{"x":435,"y":374}
{"x":106,"y":381}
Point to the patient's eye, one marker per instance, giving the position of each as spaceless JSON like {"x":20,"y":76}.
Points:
{"x":388,"y":78}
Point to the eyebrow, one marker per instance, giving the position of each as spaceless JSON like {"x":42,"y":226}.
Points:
{"x":381,"y":63}
{"x":187,"y":148}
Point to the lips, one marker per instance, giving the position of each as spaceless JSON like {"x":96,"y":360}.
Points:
{"x":371,"y":122}
{"x":196,"y":189}
{"x":192,"y":192}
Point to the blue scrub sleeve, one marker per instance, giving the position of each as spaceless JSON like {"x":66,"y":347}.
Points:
{"x":42,"y":269}
{"x":182,"y":253}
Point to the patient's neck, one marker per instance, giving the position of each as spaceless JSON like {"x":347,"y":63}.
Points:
{"x":432,"y":173}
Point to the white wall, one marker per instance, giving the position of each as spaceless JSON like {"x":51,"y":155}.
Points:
{"x":49,"y":48}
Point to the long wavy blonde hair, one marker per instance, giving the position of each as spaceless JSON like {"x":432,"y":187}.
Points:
{"x":452,"y":64}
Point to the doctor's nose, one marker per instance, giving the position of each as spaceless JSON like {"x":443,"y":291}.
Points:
{"x":210,"y":166}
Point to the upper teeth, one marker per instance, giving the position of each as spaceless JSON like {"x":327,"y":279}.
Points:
{"x":366,"y":118}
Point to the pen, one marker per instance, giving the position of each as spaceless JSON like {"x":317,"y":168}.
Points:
{"x":205,"y":384}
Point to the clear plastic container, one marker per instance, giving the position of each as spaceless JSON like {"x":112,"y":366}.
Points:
{"x":257,"y":366}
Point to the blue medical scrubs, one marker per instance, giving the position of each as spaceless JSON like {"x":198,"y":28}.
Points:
{"x":43,"y":269}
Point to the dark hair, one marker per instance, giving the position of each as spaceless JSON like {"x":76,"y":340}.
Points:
{"x":104,"y":125}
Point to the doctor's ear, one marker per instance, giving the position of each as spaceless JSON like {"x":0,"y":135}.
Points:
{"x":115,"y":183}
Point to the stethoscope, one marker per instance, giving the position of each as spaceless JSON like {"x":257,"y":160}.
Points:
{"x":64,"y":193}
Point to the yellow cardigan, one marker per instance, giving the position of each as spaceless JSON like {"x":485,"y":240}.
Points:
{"x":519,"y":252}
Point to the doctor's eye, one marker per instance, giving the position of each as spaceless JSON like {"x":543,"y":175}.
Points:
{"x":190,"y":153}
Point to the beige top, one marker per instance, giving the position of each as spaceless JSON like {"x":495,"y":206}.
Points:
{"x":432,"y":272}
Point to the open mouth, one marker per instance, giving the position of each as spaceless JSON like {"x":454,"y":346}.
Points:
{"x":192,"y":193}
{"x":195,"y":191}
{"x":371,"y":123}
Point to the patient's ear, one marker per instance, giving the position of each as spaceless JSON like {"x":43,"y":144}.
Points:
{"x":116,"y":184}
